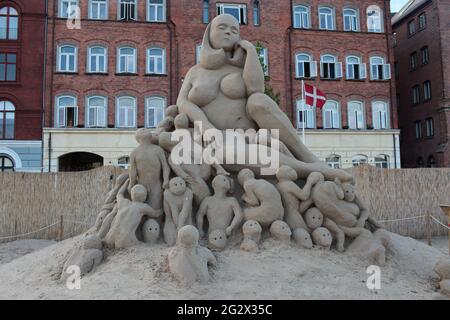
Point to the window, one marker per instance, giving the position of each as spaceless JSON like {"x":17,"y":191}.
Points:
{"x":431,"y":163}
{"x":154,"y":108}
{"x":124,"y":162}
{"x":326,"y":18}
{"x":418,"y":128}
{"x":126,"y":112}
{"x":156,"y":10}
{"x":7,"y":115}
{"x":301,"y":17}
{"x":359,"y":159}
{"x":6,"y":163}
{"x":351,"y":21}
{"x":330,"y":68}
{"x":156,"y":61}
{"x":304,"y":66}
{"x":415,"y":95}
{"x":127,"y":60}
{"x":425,"y":55}
{"x":98,"y":9}
{"x":97,"y":59}
{"x":67,"y":8}
{"x":96,"y":112}
{"x":256,"y":13}
{"x":264,"y":58}
{"x":427,"y":91}
{"x":411,"y":27}
{"x":414,"y":61}
{"x":67,"y":112}
{"x":382,"y":161}
{"x":206,"y":11}
{"x":422,"y":21}
{"x":8,"y":67}
{"x":334,"y":161}
{"x":198,"y":50}
{"x":331,"y":119}
{"x":420,"y":162}
{"x":379,"y":70}
{"x":429,"y":123}
{"x":306,"y":115}
{"x":355,"y":69}
{"x":380,"y":115}
{"x":67,"y":58}
{"x":127,"y":10}
{"x":9,"y":23}
{"x":374,"y":19}
{"x":356,"y":115}
{"x":239,"y":11}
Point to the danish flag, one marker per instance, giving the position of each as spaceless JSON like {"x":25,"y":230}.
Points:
{"x":313,"y":96}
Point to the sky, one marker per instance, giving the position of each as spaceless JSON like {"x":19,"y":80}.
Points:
{"x":396,"y":5}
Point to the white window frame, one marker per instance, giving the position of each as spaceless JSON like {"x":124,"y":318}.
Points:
{"x":360,"y":159}
{"x":359,"y":116}
{"x":100,"y":69}
{"x":241,"y":7}
{"x":67,"y":58}
{"x":301,"y":19}
{"x":353,"y":19}
{"x":412,"y":27}
{"x":429,"y":125}
{"x":62,"y":123}
{"x":70,"y":3}
{"x":333,"y":112}
{"x":124,"y":165}
{"x":312,"y":65}
{"x":375,"y":23}
{"x":427,"y":91}
{"x":198,"y":50}
{"x":156,"y":6}
{"x":351,"y":70}
{"x":99,"y":4}
{"x":158,"y":58}
{"x":310,"y":115}
{"x":148,"y":106}
{"x":264,"y":54}
{"x":333,"y":18}
{"x":119,"y":57}
{"x":415,"y":95}
{"x":98,"y":122}
{"x":332,"y":163}
{"x":380,"y":115}
{"x":382,"y":164}
{"x":134,"y":108}
{"x":330,"y":60}
{"x":136,"y":4}
{"x":375,"y":69}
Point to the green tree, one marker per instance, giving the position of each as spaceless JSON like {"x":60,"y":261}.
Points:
{"x":268,"y":90}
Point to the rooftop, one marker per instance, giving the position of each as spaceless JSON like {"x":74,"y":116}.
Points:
{"x":410,"y":7}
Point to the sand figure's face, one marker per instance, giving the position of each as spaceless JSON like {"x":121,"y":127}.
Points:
{"x":221,"y":183}
{"x":303,"y":238}
{"x":245,"y":175}
{"x":251,"y":227}
{"x":138,"y":193}
{"x":150,"y":231}
{"x":286,"y":173}
{"x":181,"y":121}
{"x":224,"y":33}
{"x":217,"y":239}
{"x":313,"y":218}
{"x":188,"y":236}
{"x":349,"y":192}
{"x":322,"y":237}
{"x":177,"y":186}
{"x":92,"y":242}
{"x":280,"y":230}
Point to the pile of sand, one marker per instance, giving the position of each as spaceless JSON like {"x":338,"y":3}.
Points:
{"x":277,"y":272}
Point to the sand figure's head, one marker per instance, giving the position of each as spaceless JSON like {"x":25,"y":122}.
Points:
{"x":313,"y":218}
{"x":144,"y":135}
{"x":251,"y":228}
{"x":322,"y":237}
{"x":150,"y":231}
{"x":280,"y":231}
{"x":217,"y":239}
{"x":177,"y":186}
{"x":245,"y":175}
{"x":285,"y":173}
{"x":172,"y":111}
{"x":138,"y":193}
{"x":302,"y":238}
{"x":187,"y":236}
{"x":181,"y":121}
{"x":349,"y":192}
{"x":221,"y":183}
{"x":92,"y":242}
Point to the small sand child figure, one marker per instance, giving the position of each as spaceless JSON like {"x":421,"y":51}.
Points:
{"x":252,"y":235}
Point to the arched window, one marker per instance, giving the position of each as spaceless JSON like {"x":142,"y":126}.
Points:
{"x":382,"y":161}
{"x":67,"y":111}
{"x":302,"y":18}
{"x":96,"y":112}
{"x":330,"y":68}
{"x":304,"y":66}
{"x":378,"y":69}
{"x":359,"y":159}
{"x":97,"y":60}
{"x":306,"y":115}
{"x":7,"y":116}
{"x":331,"y":119}
{"x":156,"y":61}
{"x":156,"y":10}
{"x":6,"y":163}
{"x":9,"y":23}
{"x":326,"y":18}
{"x":126,"y":63}
{"x":374,"y":19}
{"x":334,"y":161}
{"x":351,"y":20}
{"x":124,"y":162}
{"x":356,"y":118}
{"x":355,"y":69}
{"x":431,"y":163}
{"x":380,"y":115}
{"x":205,"y":11}
{"x":67,"y":58}
{"x":126,"y":112}
{"x":154,"y":110}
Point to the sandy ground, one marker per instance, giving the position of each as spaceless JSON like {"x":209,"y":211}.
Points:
{"x":278,"y":271}
{"x":440,"y":243}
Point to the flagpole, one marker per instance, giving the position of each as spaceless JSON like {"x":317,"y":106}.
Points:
{"x":303,"y":112}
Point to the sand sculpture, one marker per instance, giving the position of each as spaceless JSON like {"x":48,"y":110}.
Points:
{"x":442,"y":268}
{"x":305,"y":200}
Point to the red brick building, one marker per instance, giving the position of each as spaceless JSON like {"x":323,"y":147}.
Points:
{"x":22,"y":47}
{"x":127,"y":59}
{"x":422,"y":52}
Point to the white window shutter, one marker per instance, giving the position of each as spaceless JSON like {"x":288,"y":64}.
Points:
{"x":101,"y":117}
{"x":61,"y":117}
{"x":313,"y":68}
{"x":387,"y":72}
{"x":338,"y":67}
{"x":363,"y":71}
{"x":348,"y":71}
{"x":321,"y":70}
{"x":373,"y":72}
{"x":75,"y":118}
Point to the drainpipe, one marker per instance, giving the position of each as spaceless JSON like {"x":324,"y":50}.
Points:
{"x":173,"y":78}
{"x":49,"y":151}
{"x":388,"y":43}
{"x":290,"y":94}
{"x":395,"y":151}
{"x":44,"y":77}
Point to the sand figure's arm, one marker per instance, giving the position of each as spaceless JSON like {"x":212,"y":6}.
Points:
{"x":364,"y":213}
{"x":220,"y":170}
{"x":201,"y":216}
{"x":253,"y":74}
{"x":133,"y":172}
{"x":338,"y":189}
{"x":238,"y":217}
{"x":187,"y":208}
{"x":165,"y":167}
{"x":305,"y":205}
{"x":180,"y":172}
{"x":149,"y":211}
{"x":249,"y":196}
{"x":122,"y":191}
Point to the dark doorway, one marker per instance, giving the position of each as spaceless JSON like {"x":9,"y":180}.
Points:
{"x":79,"y":161}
